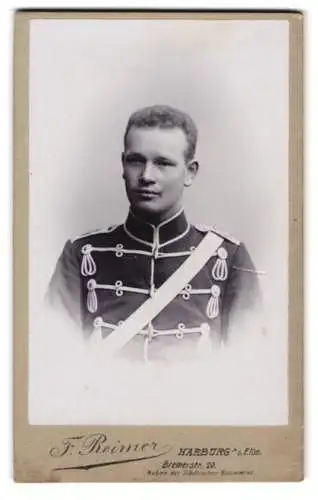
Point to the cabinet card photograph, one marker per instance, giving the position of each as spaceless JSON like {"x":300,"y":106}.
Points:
{"x":158,"y":246}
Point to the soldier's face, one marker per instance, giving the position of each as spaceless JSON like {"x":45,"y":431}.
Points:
{"x":156,"y":171}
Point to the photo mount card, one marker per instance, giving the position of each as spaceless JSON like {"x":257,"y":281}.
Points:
{"x":158,"y":279}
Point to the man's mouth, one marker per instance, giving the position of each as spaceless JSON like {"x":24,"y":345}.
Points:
{"x":146,"y":193}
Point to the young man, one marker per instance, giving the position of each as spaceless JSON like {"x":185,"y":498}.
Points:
{"x":103,"y":278}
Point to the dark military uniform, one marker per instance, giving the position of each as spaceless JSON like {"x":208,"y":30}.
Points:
{"x":102,"y":277}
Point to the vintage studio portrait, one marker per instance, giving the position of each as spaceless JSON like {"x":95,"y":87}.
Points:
{"x":158,"y":222}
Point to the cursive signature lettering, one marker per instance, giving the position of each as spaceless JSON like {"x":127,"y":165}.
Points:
{"x":98,"y":444}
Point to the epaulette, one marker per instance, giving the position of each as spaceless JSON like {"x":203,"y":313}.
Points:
{"x":109,"y":229}
{"x":204,"y":229}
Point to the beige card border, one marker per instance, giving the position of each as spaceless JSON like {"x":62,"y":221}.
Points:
{"x":281,"y":447}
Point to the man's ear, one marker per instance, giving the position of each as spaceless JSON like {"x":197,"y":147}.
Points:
{"x":192,"y":170}
{"x":123,"y":164}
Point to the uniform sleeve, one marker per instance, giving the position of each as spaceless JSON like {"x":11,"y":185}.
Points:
{"x":243,"y":303}
{"x":64,"y":291}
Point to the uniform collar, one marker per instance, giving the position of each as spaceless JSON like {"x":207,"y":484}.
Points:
{"x":164,"y":233}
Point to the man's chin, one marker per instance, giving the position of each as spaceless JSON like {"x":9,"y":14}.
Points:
{"x":148,"y":211}
{"x":147,"y":206}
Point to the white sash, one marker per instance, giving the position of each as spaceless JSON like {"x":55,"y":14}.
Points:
{"x":163,"y":295}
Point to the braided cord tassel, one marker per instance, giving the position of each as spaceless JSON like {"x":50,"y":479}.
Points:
{"x":204,"y":343}
{"x":220,"y":269}
{"x":88,"y":266}
{"x":92,"y":303}
{"x":97,"y":332}
{"x":213,"y":309}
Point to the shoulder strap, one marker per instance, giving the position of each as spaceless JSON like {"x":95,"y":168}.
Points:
{"x":164,"y":295}
{"x":109,"y":229}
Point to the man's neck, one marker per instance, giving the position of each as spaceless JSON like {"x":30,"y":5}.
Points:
{"x":156,"y":218}
{"x":167,"y":230}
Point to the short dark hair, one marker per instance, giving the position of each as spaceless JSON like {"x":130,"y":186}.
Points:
{"x":165,"y":117}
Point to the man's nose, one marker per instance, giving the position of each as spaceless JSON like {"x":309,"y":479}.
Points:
{"x":147,"y":174}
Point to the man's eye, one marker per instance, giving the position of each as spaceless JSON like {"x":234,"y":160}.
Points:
{"x":134,"y":161}
{"x":163,"y":162}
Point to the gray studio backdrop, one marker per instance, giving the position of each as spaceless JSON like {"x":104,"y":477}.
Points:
{"x":87,"y":76}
